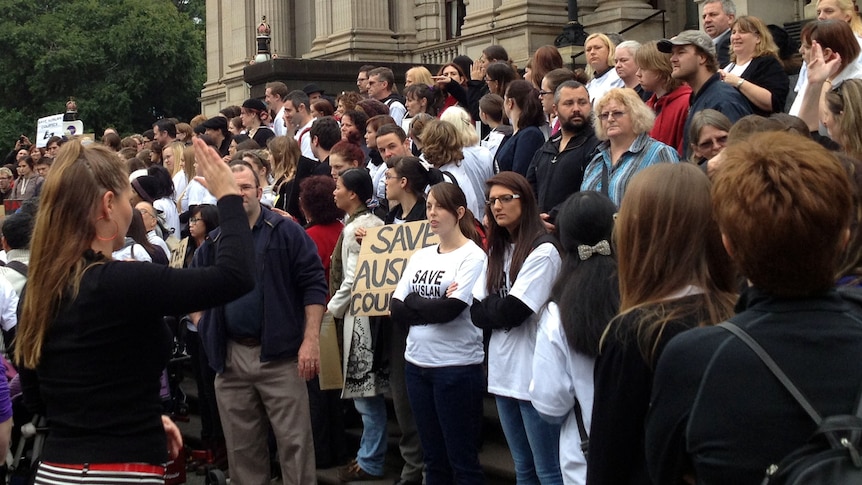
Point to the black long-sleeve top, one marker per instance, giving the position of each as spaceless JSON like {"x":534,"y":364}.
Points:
{"x":105,"y":350}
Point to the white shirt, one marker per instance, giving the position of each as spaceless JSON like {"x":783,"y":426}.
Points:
{"x":155,"y":240}
{"x":132,"y":252}
{"x":181,"y":182}
{"x":278,"y":126}
{"x":9,"y":306}
{"x":429,"y":273}
{"x":559,"y":375}
{"x":802,"y":80}
{"x":510,"y":352}
{"x":492,"y":142}
{"x":197,"y":194}
{"x":303,"y":137}
{"x":599,"y":86}
{"x":479,"y":165}
{"x":378,"y":179}
{"x":475,"y":202}
{"x":168,"y":207}
{"x":397,"y":111}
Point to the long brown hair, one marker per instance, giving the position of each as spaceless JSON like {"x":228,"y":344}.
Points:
{"x":667,"y":239}
{"x":285,"y":153}
{"x":450,"y":197}
{"x":530,"y":227}
{"x":64,"y":230}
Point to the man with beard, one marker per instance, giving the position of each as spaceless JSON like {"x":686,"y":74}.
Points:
{"x":557,"y":169}
{"x":693,"y":59}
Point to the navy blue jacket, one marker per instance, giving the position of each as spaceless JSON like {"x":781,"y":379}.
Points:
{"x":288,"y":267}
{"x":717,"y":95}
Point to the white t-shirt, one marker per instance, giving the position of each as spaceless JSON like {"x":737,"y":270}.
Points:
{"x":132,"y":252}
{"x":168,"y":207}
{"x":9,"y":306}
{"x":197,"y":194}
{"x":559,"y":375}
{"x":475,"y":202}
{"x":492,"y":142}
{"x":397,"y":111}
{"x":599,"y":86}
{"x":479,"y":165}
{"x":429,"y":274}
{"x":510,"y":353}
{"x":378,"y":179}
{"x":181,"y":182}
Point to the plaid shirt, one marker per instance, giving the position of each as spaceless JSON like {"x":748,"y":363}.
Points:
{"x":644,"y":152}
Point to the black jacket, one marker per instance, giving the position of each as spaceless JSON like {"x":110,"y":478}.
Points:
{"x":555,"y":176}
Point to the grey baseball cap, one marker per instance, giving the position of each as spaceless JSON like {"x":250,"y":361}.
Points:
{"x":688,"y":37}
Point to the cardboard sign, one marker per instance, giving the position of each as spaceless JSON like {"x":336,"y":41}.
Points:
{"x":178,"y":254}
{"x":330,"y":357}
{"x":384,"y":254}
{"x":47,"y":127}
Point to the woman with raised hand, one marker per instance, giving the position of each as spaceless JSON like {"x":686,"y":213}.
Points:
{"x":444,"y":354}
{"x":584,"y":298}
{"x":523,"y":262}
{"x":670,"y":281}
{"x":85,"y":327}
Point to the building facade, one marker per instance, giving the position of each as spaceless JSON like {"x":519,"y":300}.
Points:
{"x":428,"y":31}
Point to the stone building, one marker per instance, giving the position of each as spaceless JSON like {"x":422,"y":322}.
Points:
{"x":407,"y":32}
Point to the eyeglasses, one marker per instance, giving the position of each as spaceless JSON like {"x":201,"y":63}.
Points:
{"x":545,"y":93}
{"x":612,"y":115}
{"x":707,"y":144}
{"x":194,"y":220}
{"x":505,"y":199}
{"x":146,"y":212}
{"x":390,"y":177}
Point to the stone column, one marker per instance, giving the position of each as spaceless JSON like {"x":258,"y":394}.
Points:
{"x":279,"y":18}
{"x":361,"y":30}
{"x":616,"y":15}
{"x":323,"y":27}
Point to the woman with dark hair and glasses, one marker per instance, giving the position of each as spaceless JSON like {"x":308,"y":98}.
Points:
{"x":523,"y":262}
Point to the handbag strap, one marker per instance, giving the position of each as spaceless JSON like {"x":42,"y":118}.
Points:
{"x":582,"y":430}
{"x":773,"y":366}
{"x":605,"y":189}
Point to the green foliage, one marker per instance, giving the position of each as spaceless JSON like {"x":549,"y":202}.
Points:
{"x":126,"y":62}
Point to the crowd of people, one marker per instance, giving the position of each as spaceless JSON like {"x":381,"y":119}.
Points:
{"x":594,"y":227}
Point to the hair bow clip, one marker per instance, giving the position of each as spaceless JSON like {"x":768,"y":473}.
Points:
{"x":585,"y":251}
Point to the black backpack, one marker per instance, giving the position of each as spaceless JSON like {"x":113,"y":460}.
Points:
{"x":832,"y":455}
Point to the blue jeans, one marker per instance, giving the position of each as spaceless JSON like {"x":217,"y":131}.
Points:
{"x":372,"y":446}
{"x":447,"y":405}
{"x":534,"y":443}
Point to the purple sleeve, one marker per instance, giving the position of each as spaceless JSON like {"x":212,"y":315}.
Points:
{"x":5,"y":401}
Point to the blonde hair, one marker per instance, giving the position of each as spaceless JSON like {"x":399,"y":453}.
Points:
{"x":285,"y":153}
{"x":754,"y":25}
{"x":642,"y":116}
{"x":64,"y":230}
{"x":463,"y":123}
{"x":421,"y":74}
{"x":611,"y":51}
{"x":848,"y":7}
{"x":177,"y":149}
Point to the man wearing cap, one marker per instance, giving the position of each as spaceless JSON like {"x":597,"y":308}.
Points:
{"x":298,"y":117}
{"x":216,"y":128}
{"x":718,"y":16}
{"x":694,"y":61}
{"x":275,"y":93}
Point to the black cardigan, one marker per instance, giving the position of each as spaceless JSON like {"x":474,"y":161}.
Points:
{"x":767,"y":72}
